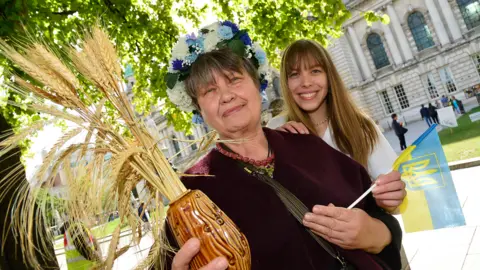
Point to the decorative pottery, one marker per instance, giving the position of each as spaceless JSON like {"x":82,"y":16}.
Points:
{"x":195,"y":215}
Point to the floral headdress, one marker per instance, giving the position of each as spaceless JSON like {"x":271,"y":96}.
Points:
{"x":215,"y":36}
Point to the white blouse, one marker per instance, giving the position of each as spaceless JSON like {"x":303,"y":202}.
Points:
{"x":380,"y":160}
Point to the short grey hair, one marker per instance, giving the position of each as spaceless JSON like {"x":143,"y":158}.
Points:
{"x":221,"y":61}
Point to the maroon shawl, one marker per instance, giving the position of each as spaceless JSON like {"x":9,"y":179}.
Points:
{"x":316,"y":174}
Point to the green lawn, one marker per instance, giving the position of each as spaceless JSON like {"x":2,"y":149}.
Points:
{"x":100,"y":231}
{"x":462,"y":142}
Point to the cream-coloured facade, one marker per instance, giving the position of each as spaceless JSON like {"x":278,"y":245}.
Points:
{"x":430,"y":48}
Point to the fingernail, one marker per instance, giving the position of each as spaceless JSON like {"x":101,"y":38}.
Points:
{"x":308,"y":216}
{"x":316,"y":208}
{"x":221,"y":263}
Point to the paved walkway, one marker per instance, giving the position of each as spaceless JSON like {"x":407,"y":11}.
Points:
{"x":452,"y":248}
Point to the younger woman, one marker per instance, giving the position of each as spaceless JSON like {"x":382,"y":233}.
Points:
{"x":318,"y":102}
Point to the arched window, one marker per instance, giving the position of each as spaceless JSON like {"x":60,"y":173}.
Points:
{"x":421,"y":33}
{"x":375,"y":46}
{"x":470,"y":10}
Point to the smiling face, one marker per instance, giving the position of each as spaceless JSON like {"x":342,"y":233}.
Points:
{"x":226,"y":91}
{"x":308,"y":85}
{"x":230,"y":104}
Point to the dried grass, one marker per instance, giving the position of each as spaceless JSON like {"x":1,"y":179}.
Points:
{"x":93,"y":184}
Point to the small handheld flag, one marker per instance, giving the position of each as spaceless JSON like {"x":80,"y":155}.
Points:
{"x":431,"y":201}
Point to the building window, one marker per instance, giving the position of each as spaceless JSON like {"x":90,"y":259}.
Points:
{"x":430,"y":85}
{"x":476,"y":61}
{"x":402,"y":97}
{"x":421,"y":33}
{"x":470,"y":10}
{"x":387,"y":104}
{"x":176,"y":146}
{"x":377,"y":50}
{"x":447,"y":79}
{"x":194,"y":145}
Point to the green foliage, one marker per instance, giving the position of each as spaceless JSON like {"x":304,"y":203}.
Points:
{"x":276,"y":23}
{"x":371,"y":17}
{"x":145,"y":31}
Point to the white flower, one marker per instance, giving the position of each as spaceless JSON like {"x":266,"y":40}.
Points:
{"x":264,"y":69}
{"x":214,"y":26}
{"x":180,"y":50}
{"x":179,"y":97}
{"x":211,"y":41}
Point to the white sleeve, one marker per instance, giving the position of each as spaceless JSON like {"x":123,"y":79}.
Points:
{"x":381,"y":159}
{"x":277,"y":121}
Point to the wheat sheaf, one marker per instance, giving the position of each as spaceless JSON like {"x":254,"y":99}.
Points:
{"x":94,"y":184}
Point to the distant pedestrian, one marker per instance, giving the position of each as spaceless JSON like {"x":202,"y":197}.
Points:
{"x":433,"y":113}
{"x":399,"y":131}
{"x":455,"y":105}
{"x":142,"y":213}
{"x":460,"y":106}
{"x":444,"y":101}
{"x":426,"y":115}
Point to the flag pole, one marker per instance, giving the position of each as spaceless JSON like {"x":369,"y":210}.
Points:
{"x":402,"y":158}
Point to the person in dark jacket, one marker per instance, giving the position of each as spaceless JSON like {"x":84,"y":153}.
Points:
{"x":426,"y":115}
{"x":11,"y":255}
{"x":399,"y":131}
{"x":433,"y":113}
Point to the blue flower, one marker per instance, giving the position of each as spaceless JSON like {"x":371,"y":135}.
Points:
{"x":191,"y":36}
{"x":177,"y":64}
{"x":225,"y":32}
{"x":191,"y":58}
{"x":195,"y":45}
{"x":261,"y":56}
{"x":232,"y":26}
{"x":197,"y":118}
{"x":263,"y":85}
{"x":246,"y":39}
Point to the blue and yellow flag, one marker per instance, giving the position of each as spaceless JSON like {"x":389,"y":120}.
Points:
{"x":431,"y":201}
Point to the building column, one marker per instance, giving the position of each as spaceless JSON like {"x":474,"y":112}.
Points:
{"x":398,"y":30}
{"x":397,"y":57}
{"x":451,"y":20}
{"x":437,"y":22}
{"x":365,"y":69}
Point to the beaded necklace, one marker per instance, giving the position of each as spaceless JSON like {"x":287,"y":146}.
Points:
{"x":266,"y":165}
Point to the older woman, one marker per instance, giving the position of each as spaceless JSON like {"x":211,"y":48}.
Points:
{"x":223,"y":84}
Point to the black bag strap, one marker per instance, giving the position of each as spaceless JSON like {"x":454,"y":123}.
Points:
{"x":296,"y":208}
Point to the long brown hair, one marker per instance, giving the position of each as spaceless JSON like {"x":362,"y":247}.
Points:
{"x":354,"y":132}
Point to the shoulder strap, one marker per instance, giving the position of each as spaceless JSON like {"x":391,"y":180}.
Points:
{"x":296,"y":208}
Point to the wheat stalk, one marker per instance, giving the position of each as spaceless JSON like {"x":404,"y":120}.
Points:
{"x":90,"y":179}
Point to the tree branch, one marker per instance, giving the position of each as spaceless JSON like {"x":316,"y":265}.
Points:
{"x":66,"y":12}
{"x":113,"y":9}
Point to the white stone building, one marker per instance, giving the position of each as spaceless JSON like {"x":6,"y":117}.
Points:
{"x":430,"y":48}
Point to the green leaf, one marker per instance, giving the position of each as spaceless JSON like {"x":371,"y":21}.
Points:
{"x":171,"y":79}
{"x":237,"y":47}
{"x":385,"y":19}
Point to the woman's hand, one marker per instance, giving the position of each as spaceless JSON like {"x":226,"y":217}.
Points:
{"x":348,"y":228}
{"x":390,"y":191}
{"x":184,"y":256}
{"x":294,"y":127}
